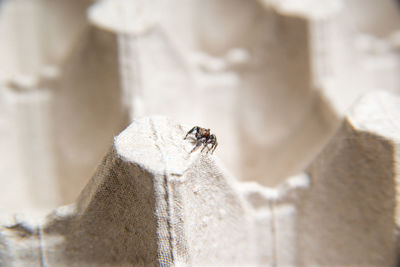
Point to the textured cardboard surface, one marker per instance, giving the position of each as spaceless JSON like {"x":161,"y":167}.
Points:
{"x":272,"y":79}
{"x":349,"y":214}
{"x":150,"y":202}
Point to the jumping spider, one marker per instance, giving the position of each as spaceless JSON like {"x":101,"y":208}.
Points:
{"x":203,"y":137}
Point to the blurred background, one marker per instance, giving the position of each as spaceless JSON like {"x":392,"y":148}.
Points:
{"x":270,"y":78}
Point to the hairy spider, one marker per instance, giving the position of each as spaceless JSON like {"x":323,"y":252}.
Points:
{"x":203,"y":137}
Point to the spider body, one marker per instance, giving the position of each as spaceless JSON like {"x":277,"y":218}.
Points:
{"x":203,"y":137}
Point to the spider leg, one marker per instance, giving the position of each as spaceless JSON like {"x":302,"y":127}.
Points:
{"x":199,"y":143}
{"x":195,"y":128}
{"x":206,"y":142}
{"x":213,"y":141}
{"x":215,"y":146}
{"x":210,"y":141}
{"x":205,"y":146}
